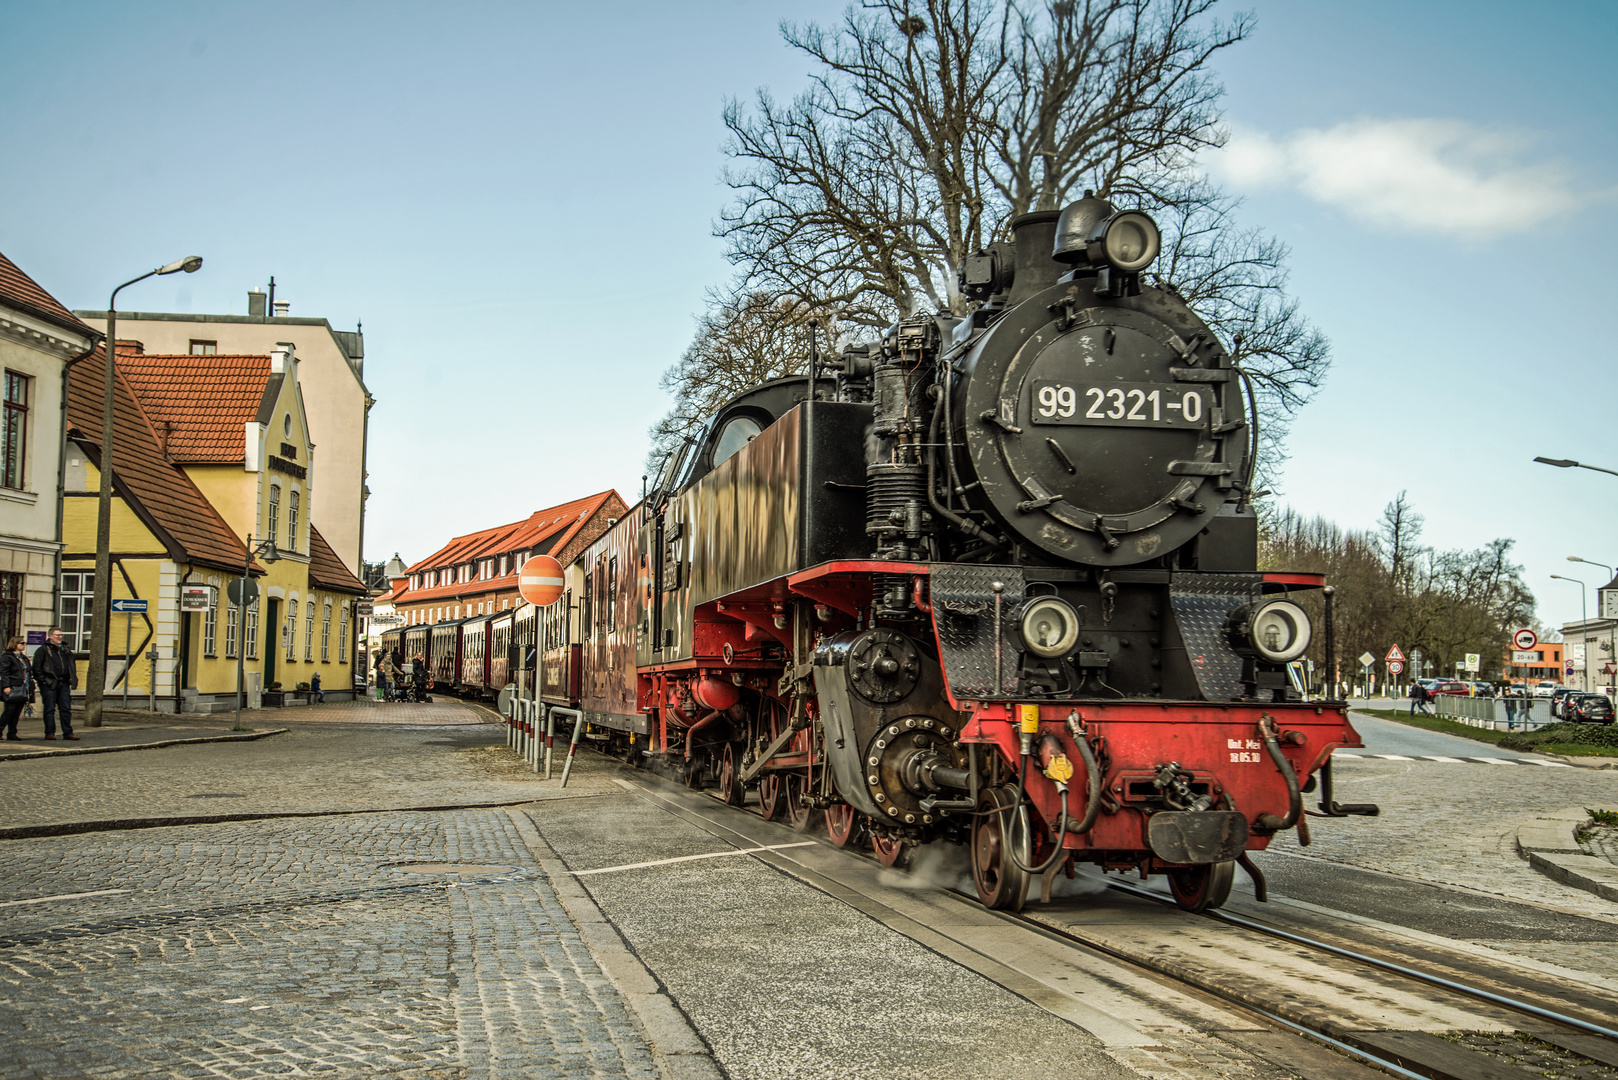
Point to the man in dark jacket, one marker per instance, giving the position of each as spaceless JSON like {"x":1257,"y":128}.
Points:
{"x":57,"y":675}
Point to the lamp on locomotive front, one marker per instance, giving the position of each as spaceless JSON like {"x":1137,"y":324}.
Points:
{"x":1275,"y":631}
{"x":1116,"y":245}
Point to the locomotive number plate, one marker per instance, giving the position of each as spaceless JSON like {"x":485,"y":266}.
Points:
{"x":1120,"y":404}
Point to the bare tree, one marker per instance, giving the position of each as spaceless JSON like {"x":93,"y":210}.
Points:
{"x":929,"y":124}
{"x":742,"y":341}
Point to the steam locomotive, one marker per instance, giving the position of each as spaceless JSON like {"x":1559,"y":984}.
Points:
{"x":989,"y":581}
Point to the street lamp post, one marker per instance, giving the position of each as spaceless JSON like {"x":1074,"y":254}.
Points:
{"x":1584,"y":617}
{"x":1612,"y":629}
{"x":1564,"y":463}
{"x":100,"y":614}
{"x":266,"y":549}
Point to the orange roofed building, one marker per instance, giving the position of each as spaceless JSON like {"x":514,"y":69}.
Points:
{"x":476,"y":574}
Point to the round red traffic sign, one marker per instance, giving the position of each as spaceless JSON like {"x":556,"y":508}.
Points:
{"x":540,"y":580}
{"x":1525,"y":639}
{"x":1395,"y":667}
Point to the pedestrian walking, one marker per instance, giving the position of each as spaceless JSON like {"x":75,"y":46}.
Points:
{"x":314,"y":688}
{"x":382,"y":676}
{"x":57,"y":674}
{"x":16,"y":686}
{"x":1419,"y":696}
{"x":1511,"y":713}
{"x":418,"y":676}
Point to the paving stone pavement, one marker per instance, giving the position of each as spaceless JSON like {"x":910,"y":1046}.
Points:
{"x":292,"y":947}
{"x":313,"y":768}
{"x":1456,"y":824}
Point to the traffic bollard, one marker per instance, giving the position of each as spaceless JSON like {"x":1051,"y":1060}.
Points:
{"x":573,"y":744}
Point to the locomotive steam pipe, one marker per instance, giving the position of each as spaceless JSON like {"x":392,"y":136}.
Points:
{"x":965,"y":525}
{"x":1092,"y":807}
{"x":1272,"y":746}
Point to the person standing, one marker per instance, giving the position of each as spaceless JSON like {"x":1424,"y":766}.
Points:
{"x":382,"y":676}
{"x":1511,"y":713}
{"x":16,"y":687}
{"x":57,"y":675}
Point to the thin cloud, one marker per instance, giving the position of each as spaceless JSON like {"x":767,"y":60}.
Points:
{"x":1442,"y":176}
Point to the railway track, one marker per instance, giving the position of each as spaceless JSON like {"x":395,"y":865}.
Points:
{"x":1274,"y":993}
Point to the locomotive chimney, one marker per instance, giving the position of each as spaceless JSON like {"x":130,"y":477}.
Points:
{"x":1033,"y":236}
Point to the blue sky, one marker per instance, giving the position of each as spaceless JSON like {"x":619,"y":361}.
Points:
{"x":518,"y":199}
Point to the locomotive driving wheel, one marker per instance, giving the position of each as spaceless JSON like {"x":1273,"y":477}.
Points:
{"x":1201,"y":888}
{"x":799,"y":816}
{"x":730,"y":777}
{"x":771,"y":803}
{"x":1001,"y":884}
{"x":888,"y":851}
{"x":842,"y":824}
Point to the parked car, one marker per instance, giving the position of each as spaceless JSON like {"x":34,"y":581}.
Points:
{"x":1590,"y":709}
{"x":1453,"y":688}
{"x":1482,"y":689}
{"x":1559,"y":698}
{"x":1547,"y":688}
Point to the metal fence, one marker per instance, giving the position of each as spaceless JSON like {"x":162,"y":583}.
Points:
{"x":1493,"y":714}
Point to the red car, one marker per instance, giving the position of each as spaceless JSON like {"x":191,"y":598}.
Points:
{"x":1452,"y":688}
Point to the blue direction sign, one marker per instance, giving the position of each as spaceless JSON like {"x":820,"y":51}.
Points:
{"x":131,"y":607}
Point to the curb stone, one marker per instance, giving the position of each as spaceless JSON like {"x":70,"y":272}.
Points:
{"x":679,"y":1051}
{"x":1549,"y":844}
{"x":248,"y":736}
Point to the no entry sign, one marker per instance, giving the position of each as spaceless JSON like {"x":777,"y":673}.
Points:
{"x":540,"y":580}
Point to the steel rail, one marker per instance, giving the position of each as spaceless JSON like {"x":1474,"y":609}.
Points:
{"x":1385,"y":965}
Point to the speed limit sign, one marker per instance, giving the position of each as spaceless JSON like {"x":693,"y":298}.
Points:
{"x":1395,"y":667}
{"x":1525,"y":639}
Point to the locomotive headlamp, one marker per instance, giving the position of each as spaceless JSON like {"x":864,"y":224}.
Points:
{"x":1277,"y":631}
{"x":1050,"y":627}
{"x":1128,"y":241}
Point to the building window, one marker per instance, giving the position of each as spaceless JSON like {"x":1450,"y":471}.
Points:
{"x":342,"y":637}
{"x":204,"y":348}
{"x":309,"y":633}
{"x":505,"y":565}
{"x":292,"y":520}
{"x":11,"y":586}
{"x":325,"y":633}
{"x":289,"y":632}
{"x":415,"y":581}
{"x":14,"y":437}
{"x":78,"y":597}
{"x":251,"y":636}
{"x":275,"y":512}
{"x":232,"y":616}
{"x":210,"y":623}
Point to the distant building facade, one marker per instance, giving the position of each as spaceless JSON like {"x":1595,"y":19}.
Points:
{"x":39,"y":339}
{"x":1592,"y":645}
{"x":332,"y":372}
{"x":476,"y":574}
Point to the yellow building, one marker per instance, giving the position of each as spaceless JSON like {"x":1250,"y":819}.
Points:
{"x":208,"y":452}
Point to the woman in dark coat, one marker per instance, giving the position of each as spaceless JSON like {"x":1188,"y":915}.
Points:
{"x":14,"y":676}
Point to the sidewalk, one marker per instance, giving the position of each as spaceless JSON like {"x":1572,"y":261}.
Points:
{"x":133,"y":729}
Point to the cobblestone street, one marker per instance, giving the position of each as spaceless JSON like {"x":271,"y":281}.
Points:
{"x":398,"y":898}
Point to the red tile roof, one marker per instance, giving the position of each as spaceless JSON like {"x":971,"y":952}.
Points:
{"x":198,"y":404}
{"x":22,"y":291}
{"x":326,"y":570}
{"x":548,"y":531}
{"x":158,"y":491}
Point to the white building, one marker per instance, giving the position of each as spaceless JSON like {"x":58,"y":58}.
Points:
{"x":1592,"y":645}
{"x":39,"y":338}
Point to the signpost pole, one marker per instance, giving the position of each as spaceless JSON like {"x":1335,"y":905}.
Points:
{"x":129,"y":621}
{"x":151,"y":681}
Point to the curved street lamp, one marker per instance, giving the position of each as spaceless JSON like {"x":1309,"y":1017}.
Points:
{"x":1564,"y":463}
{"x":1584,"y":616}
{"x":100,"y":612}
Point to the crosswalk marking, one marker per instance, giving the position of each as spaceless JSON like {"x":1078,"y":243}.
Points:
{"x":1458,"y":761}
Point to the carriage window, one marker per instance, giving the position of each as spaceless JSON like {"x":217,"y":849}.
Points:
{"x":736,"y":434}
{"x":612,"y":594}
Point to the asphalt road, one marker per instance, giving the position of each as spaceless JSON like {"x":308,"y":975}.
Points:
{"x":1391,"y":737}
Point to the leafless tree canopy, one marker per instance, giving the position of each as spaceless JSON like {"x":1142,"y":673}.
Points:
{"x":740,"y":342}
{"x":929,"y":124}
{"x":1391,"y":589}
